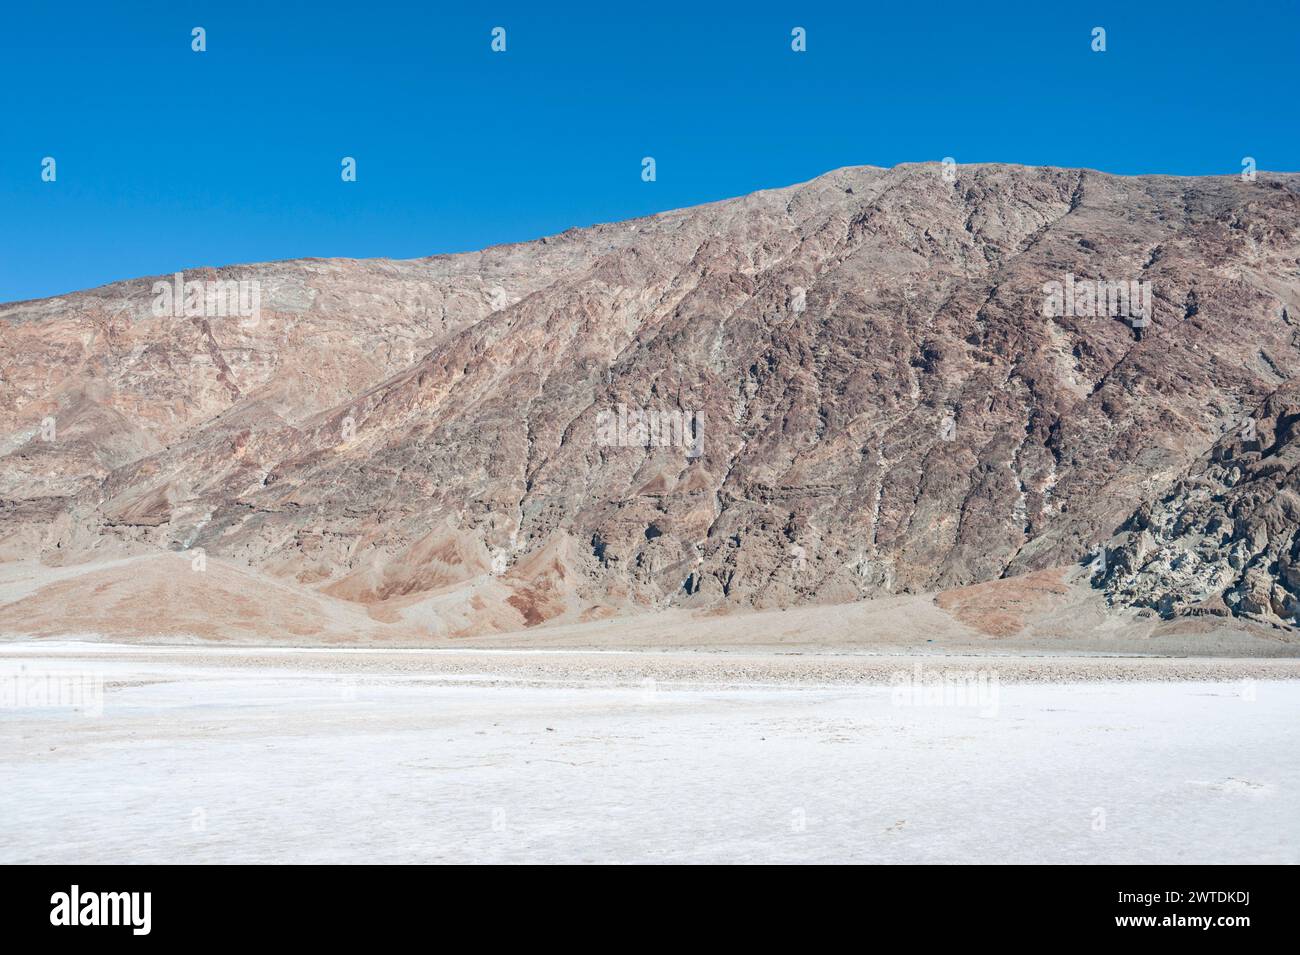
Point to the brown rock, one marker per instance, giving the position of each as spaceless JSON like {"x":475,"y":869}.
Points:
{"x":880,"y":405}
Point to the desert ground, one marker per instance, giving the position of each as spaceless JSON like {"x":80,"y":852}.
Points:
{"x":159,"y":599}
{"x":206,"y":754}
{"x":156,"y":714}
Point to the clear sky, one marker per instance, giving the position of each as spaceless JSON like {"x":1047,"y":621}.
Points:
{"x":170,"y":159}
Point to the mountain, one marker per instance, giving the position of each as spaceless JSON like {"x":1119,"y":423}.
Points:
{"x":879,"y":382}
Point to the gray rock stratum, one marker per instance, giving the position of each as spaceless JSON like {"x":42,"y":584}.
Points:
{"x":875,"y":402}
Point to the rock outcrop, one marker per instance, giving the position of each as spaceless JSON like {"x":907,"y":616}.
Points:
{"x":1225,"y":539}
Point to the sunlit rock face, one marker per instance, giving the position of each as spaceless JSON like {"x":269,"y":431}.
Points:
{"x":879,"y":381}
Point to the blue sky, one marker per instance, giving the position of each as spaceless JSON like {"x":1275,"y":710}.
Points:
{"x":170,"y":159}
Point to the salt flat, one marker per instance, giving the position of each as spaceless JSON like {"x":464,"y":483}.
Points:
{"x":112,"y":754}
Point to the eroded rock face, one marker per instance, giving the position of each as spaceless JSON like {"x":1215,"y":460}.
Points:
{"x":874,"y":402}
{"x":1224,"y":539}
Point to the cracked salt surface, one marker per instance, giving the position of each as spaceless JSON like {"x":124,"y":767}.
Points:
{"x":195,"y":760}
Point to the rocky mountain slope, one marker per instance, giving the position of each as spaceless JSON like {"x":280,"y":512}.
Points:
{"x":874,"y":402}
{"x":1223,"y":539}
